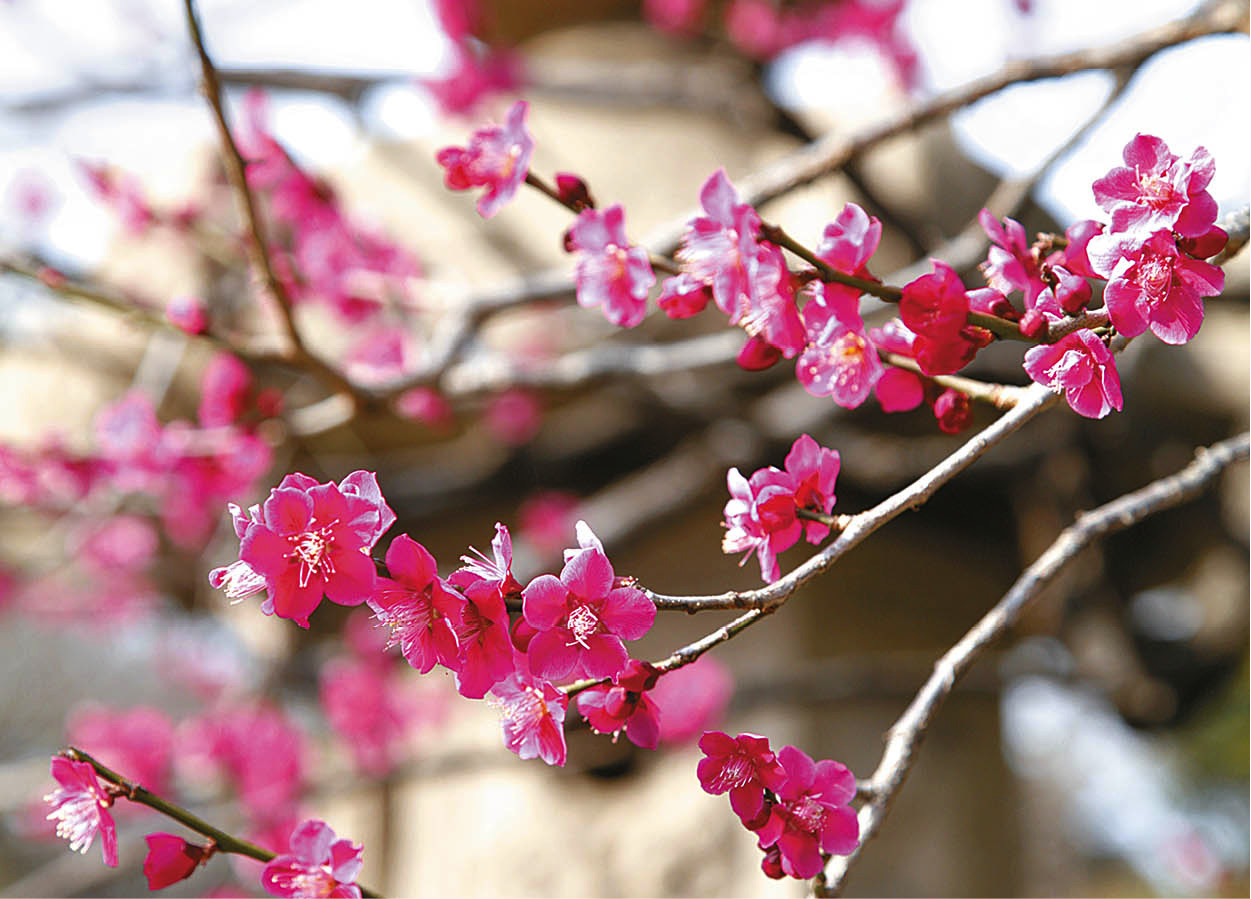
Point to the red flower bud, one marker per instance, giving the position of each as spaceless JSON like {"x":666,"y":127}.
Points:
{"x":171,"y":859}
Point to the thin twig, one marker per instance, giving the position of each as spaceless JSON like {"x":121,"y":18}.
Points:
{"x":257,"y":244}
{"x":907,"y":733}
{"x":225,"y":842}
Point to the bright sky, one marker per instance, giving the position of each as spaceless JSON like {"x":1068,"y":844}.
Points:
{"x":45,"y":50}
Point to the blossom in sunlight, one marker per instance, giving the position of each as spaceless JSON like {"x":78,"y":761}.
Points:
{"x":317,"y":865}
{"x":610,"y":273}
{"x":1083,"y":367}
{"x":80,"y":808}
{"x":811,"y":814}
{"x":497,"y":158}
{"x":532,"y":714}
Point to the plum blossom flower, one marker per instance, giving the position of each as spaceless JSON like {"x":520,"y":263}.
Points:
{"x":717,"y":248}
{"x":421,"y":611}
{"x":609,"y":272}
{"x":743,"y":766}
{"x":582,"y":619}
{"x":187,"y":313}
{"x":170,"y":859}
{"x":532,"y":714}
{"x":225,"y":388}
{"x":625,"y":705}
{"x":497,"y":158}
{"x":771,"y":312}
{"x":317,"y":865}
{"x":847,"y":245}
{"x":762,"y":512}
{"x":1156,"y":190}
{"x":811,"y":814}
{"x":496,"y":571}
{"x":1154,"y":286}
{"x":486,"y":651}
{"x":1010,"y":264}
{"x":683,"y":296}
{"x":313,"y":540}
{"x":1083,"y":367}
{"x":899,"y":390}
{"x":840,"y":360}
{"x":80,"y":808}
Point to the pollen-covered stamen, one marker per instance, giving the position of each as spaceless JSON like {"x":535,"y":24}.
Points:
{"x":583,"y":622}
{"x":736,"y":772}
{"x":311,"y":548}
{"x":808,"y":814}
{"x":1156,"y":192}
{"x":1155,"y":274}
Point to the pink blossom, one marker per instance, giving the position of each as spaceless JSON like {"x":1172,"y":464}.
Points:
{"x":1158,"y":191}
{"x":743,"y":766}
{"x":762,"y":512}
{"x":546,"y":516}
{"x":1074,"y":256}
{"x":120,"y":542}
{"x":771,"y":312}
{"x":497,"y":158}
{"x":581,"y":619}
{"x":1206,"y":245}
{"x":486,"y":651}
{"x":514,"y":416}
{"x":683,"y":296}
{"x":382,"y":355}
{"x":757,"y":354}
{"x":572,"y":191}
{"x":426,"y":405}
{"x":421,"y":610}
{"x":760,"y":517}
{"x":625,"y":705}
{"x":952,"y":408}
{"x":900,"y":390}
{"x":813,"y":470}
{"x":673,"y":16}
{"x":170,"y":859}
{"x":609,"y":272}
{"x":692,"y":698}
{"x":1083,"y":367}
{"x":225,"y":388}
{"x":476,"y":73}
{"x":313,"y":540}
{"x":532,"y":714}
{"x":262,"y":752}
{"x":839,"y":361}
{"x":1011,"y":264}
{"x":935,"y":305}
{"x":1154,"y":286}
{"x":989,"y":301}
{"x":811,"y":814}
{"x":497,"y":571}
{"x":187,"y":313}
{"x":370,"y":708}
{"x":80,"y":808}
{"x":317,"y":865}
{"x":717,"y":248}
{"x":847,"y":245}
{"x":137,"y":741}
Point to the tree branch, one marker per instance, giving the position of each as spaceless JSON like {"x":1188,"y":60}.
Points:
{"x":907,"y":733}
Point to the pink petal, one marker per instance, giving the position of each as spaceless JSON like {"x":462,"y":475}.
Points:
{"x":287,"y":510}
{"x":605,"y":656}
{"x":841,"y":833}
{"x":310,"y":842}
{"x":353,"y":578}
{"x":628,"y":613}
{"x":588,"y":575}
{"x":550,"y":656}
{"x":800,"y":855}
{"x":800,"y":771}
{"x":545,"y":601}
{"x":410,"y":562}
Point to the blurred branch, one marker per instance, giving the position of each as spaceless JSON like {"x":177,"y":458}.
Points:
{"x":257,"y":245}
{"x":906,"y":735}
{"x":1236,"y":226}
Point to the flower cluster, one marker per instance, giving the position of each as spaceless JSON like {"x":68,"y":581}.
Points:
{"x":797,"y":808}
{"x":763,"y":513}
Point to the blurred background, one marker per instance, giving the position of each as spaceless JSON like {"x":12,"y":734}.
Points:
{"x":1102,"y":751}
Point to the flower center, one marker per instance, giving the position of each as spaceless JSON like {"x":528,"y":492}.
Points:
{"x":736,"y":772}
{"x":1156,"y":192}
{"x":583,"y":622}
{"x":311,"y":548}
{"x":808,"y":814}
{"x":1156,"y":277}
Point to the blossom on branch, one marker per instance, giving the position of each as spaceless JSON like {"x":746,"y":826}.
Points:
{"x":581,"y":619}
{"x":317,"y":865}
{"x":80,"y":808}
{"x":717,"y":248}
{"x":497,"y":158}
{"x":625,"y":705}
{"x":811,"y":814}
{"x":1083,"y":367}
{"x":170,"y":859}
{"x":609,"y":272}
{"x":1157,"y":190}
{"x":743,"y":766}
{"x":421,"y":611}
{"x":532,"y":714}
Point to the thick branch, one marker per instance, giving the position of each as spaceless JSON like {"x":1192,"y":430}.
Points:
{"x":908,"y":732}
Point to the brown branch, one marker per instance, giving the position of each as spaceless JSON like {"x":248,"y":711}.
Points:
{"x":257,"y":245}
{"x":1001,"y":396}
{"x":907,"y":733}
